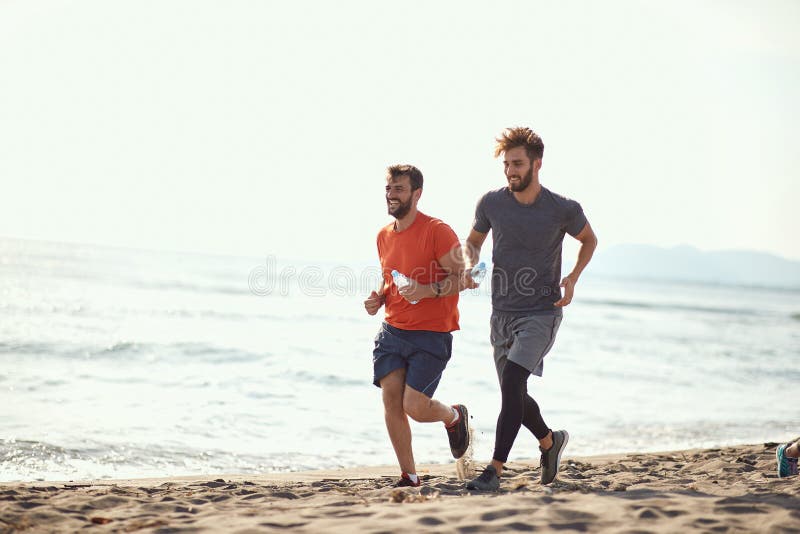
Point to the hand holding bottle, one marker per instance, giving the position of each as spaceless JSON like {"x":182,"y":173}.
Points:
{"x":473,"y":277}
{"x":404,"y":285}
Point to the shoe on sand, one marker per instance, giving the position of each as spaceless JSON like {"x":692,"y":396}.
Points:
{"x":786,"y":466}
{"x":486,"y":481}
{"x":552,"y":456}
{"x":405,"y":482}
{"x":458,"y":432}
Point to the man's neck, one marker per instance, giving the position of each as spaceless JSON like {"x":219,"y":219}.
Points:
{"x":529,"y":194}
{"x":405,"y":222}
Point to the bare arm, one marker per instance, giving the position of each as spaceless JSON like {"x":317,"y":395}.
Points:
{"x":453,"y":264}
{"x":588,"y":244}
{"x":473,"y":250}
{"x":473,"y":246}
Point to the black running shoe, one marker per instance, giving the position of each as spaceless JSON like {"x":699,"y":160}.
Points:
{"x":552,"y":456}
{"x":405,"y":481}
{"x":486,"y":481}
{"x":458,"y":432}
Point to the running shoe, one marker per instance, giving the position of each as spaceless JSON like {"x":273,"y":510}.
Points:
{"x":458,"y":432}
{"x":552,"y":456}
{"x":486,"y":481}
{"x":405,"y":481}
{"x":787,"y":466}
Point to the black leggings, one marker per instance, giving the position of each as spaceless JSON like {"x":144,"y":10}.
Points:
{"x":518,"y":409}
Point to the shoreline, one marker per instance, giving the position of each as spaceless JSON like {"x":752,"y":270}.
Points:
{"x":346,"y":473}
{"x":713,"y":490}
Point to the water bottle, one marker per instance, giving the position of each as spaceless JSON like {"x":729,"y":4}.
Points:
{"x":478,"y":272}
{"x":400,"y":280}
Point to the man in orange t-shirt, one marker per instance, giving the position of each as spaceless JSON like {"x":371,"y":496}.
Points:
{"x":414,"y":343}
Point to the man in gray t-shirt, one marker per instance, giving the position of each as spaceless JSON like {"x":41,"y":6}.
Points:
{"x":528,"y":224}
{"x":527,"y":247}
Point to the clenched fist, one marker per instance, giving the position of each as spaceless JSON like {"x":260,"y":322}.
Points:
{"x":373,"y":303}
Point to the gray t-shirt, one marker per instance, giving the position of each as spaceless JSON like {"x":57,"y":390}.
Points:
{"x":527,"y":247}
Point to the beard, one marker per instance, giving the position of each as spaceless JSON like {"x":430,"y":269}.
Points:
{"x":523,"y":183}
{"x":401,"y":210}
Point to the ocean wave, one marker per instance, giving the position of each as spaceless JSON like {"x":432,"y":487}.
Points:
{"x":112,"y":275}
{"x":227,"y":316}
{"x":27,"y":460}
{"x":176,"y":285}
{"x":327,"y":379}
{"x":90,"y":312}
{"x":638,"y":305}
{"x":214,"y":354}
{"x":125,"y":347}
{"x":268,"y":395}
{"x":47,"y":309}
{"x":204,"y":352}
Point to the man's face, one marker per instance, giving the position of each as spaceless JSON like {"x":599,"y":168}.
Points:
{"x":399,"y":197}
{"x":518,"y":169}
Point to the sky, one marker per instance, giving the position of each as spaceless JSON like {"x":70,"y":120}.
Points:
{"x":262,"y":128}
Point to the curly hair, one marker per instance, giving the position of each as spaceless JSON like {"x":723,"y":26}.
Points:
{"x":520,"y":136}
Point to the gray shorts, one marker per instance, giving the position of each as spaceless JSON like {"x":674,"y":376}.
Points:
{"x":524,"y":340}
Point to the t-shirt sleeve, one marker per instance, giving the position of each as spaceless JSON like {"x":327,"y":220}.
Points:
{"x":481,"y":223}
{"x":380,"y":243}
{"x":575,"y":220}
{"x":444,"y":240}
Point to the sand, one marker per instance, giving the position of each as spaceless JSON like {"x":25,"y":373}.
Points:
{"x":733,"y":489}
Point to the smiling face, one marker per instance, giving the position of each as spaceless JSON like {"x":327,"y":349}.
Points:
{"x":399,"y":196}
{"x":519,"y":169}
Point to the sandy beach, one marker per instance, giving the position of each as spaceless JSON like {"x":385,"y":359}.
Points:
{"x":733,"y":489}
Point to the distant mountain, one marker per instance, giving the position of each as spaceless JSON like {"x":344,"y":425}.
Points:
{"x":687,"y":263}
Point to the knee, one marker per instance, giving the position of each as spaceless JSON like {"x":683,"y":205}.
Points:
{"x":393,"y":404}
{"x":414,"y":406}
{"x":514,"y":378}
{"x":513,"y":392}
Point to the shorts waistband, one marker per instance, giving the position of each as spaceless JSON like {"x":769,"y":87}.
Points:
{"x":517,"y":314}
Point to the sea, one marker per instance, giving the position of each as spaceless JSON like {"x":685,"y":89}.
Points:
{"x":122,"y":363}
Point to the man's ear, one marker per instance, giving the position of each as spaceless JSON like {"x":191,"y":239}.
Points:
{"x":537,"y":164}
{"x":416,"y":194}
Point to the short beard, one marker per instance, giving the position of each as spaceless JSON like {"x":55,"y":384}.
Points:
{"x":401,"y":211}
{"x":524,"y":182}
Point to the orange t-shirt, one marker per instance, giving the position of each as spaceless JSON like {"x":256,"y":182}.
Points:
{"x":414,"y":252}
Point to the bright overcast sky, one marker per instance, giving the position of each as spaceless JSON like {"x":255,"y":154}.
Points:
{"x":260,"y":127}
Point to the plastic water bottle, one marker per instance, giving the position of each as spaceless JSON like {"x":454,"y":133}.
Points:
{"x":400,"y":280}
{"x":478,"y":273}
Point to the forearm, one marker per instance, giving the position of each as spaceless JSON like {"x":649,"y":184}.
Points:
{"x":472,"y":253}
{"x":451,"y":285}
{"x":584,"y":256}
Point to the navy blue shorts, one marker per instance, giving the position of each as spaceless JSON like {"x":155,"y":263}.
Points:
{"x":423,"y":354}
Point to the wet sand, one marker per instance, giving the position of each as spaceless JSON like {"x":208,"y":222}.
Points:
{"x":733,"y":489}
